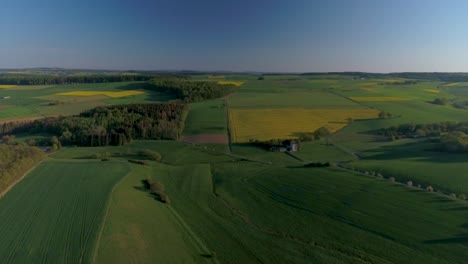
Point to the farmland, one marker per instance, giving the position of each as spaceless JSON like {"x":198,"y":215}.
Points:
{"x":235,"y":202}
{"x":53,"y":100}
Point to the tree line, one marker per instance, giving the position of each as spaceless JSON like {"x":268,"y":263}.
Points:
{"x":191,"y":91}
{"x":36,"y":79}
{"x":433,"y":76}
{"x":15,"y":161}
{"x":452,"y":135}
{"x":110,"y":125}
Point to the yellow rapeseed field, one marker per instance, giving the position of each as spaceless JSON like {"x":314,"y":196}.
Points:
{"x":451,"y":84}
{"x":7,"y":86}
{"x":229,"y":82}
{"x":378,"y":98}
{"x":105,"y":93}
{"x":432,"y":91}
{"x":265,"y":124}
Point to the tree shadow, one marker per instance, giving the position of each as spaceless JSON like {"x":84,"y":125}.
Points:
{"x":153,"y":95}
{"x":459,"y":239}
{"x":422,"y":151}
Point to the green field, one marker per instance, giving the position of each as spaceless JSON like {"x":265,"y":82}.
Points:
{"x":55,"y":213}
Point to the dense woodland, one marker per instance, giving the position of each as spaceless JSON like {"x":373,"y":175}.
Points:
{"x":191,"y":91}
{"x":110,"y":125}
{"x":35,"y":79}
{"x":15,"y":161}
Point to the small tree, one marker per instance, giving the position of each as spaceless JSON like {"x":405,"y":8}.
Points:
{"x":454,"y":196}
{"x":462,"y":197}
{"x":150,"y":154}
{"x":379,"y":175}
{"x":409,"y":183}
{"x":429,"y":189}
{"x":392,"y":179}
{"x":56,"y":145}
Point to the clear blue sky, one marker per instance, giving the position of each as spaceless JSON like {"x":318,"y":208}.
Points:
{"x":240,"y":35}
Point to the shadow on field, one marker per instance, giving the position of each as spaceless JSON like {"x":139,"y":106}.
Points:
{"x":459,"y":239}
{"x":153,"y":95}
{"x":459,"y":208}
{"x":159,"y":196}
{"x":421,"y":151}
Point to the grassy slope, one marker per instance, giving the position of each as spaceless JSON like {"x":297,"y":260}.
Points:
{"x":138,"y":229}
{"x":54,"y":214}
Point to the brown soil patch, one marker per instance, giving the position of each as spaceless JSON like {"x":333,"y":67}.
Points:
{"x":206,"y":139}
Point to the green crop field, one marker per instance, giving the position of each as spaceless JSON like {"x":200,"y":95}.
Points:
{"x":55,"y":213}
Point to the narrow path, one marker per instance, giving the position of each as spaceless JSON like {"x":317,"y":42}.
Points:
{"x":228,"y":124}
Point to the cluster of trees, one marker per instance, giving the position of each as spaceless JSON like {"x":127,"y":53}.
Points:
{"x":422,"y":130}
{"x":321,"y":132}
{"x":452,"y":136}
{"x":157,"y":190}
{"x":441,"y":101}
{"x":267,"y":144}
{"x":110,"y":125}
{"x":385,"y":115}
{"x":456,"y":141}
{"x":191,"y":91}
{"x":35,"y":79}
{"x":15,"y":161}
{"x":150,"y":154}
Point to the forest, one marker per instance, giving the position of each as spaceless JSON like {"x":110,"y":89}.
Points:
{"x":33,"y":79}
{"x":110,"y":125}
{"x":190,"y":91}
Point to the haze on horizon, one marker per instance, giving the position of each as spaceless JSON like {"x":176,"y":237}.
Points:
{"x":275,"y":35}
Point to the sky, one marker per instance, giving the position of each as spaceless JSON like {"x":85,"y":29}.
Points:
{"x":241,"y":35}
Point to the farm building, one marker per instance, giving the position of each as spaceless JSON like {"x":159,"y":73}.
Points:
{"x":293,"y":146}
{"x":290,"y":145}
{"x":279,"y":149}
